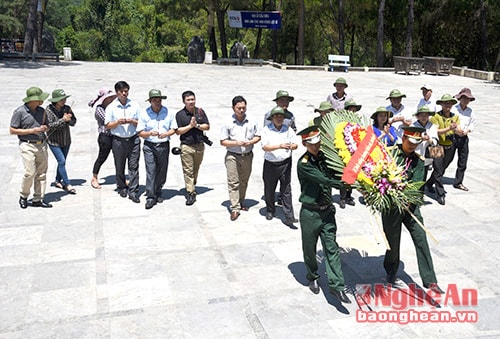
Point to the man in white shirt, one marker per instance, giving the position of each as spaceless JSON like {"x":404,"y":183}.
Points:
{"x":427,"y":98}
{"x":461,"y":143}
{"x":401,"y":116}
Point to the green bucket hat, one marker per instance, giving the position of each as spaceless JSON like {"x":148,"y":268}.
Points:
{"x":324,"y":106}
{"x":381,"y":109}
{"x":281,"y":94}
{"x":396,"y":93}
{"x":276,"y":110}
{"x":35,"y":94}
{"x":351,"y":103}
{"x":58,"y":95}
{"x":155,"y":93}
{"x":445,"y":98}
{"x":340,"y":81}
{"x":424,"y":109}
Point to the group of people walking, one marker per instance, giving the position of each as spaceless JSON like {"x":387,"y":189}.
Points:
{"x":122,"y":123}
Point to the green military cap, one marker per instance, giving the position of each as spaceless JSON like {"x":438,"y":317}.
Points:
{"x":35,"y":94}
{"x":156,"y":93}
{"x":58,"y":95}
{"x":276,"y":110}
{"x":310,"y":134}
{"x":283,"y":94}
{"x":396,"y":93}
{"x":341,"y":81}
{"x":380,"y":110}
{"x":446,"y":98}
{"x":424,"y":109}
{"x":351,"y":103}
{"x":413,"y":133}
{"x":324,"y":106}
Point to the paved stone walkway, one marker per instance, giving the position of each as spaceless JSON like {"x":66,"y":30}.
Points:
{"x":97,"y":265}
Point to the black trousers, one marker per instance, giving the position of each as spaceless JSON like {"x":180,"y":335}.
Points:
{"x":278,"y":171}
{"x":461,"y":145}
{"x":105,"y":142}
{"x":156,"y":160}
{"x":127,"y":151}
{"x":440,"y":165}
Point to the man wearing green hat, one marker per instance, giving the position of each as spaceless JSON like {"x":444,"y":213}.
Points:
{"x":156,"y":125}
{"x":339,"y":97}
{"x":429,"y":138}
{"x":393,"y":220}
{"x":317,"y":215}
{"x":400,"y":115}
{"x":283,"y":100}
{"x":29,"y":123}
{"x":350,"y":105}
{"x":278,"y":142}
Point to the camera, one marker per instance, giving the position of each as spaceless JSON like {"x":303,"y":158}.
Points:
{"x":206,"y":140}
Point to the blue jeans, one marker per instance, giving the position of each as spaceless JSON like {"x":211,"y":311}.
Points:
{"x":61,"y":153}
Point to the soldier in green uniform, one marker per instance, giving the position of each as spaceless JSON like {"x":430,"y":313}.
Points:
{"x":317,"y":215}
{"x":393,"y":220}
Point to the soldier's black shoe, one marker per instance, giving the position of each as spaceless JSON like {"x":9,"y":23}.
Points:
{"x":269,"y":215}
{"x":123,"y":193}
{"x":150,"y":203}
{"x":434,"y":288}
{"x":191,"y":199}
{"x":340,"y":295}
{"x":440,"y":199}
{"x":314,"y":286}
{"x":134,"y":198}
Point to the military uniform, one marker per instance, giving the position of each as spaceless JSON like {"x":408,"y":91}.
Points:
{"x":317,"y":218}
{"x":393,"y":220}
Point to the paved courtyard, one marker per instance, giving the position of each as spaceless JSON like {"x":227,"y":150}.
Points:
{"x":99,"y":266}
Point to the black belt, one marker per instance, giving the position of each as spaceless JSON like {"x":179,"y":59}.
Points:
{"x":35,"y":142}
{"x":239,"y":154}
{"x":156,"y":144}
{"x":126,"y":139}
{"x":315,"y":207}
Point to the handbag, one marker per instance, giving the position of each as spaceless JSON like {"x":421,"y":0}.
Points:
{"x":436,"y":151}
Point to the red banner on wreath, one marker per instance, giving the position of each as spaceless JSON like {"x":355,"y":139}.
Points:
{"x":355,"y":164}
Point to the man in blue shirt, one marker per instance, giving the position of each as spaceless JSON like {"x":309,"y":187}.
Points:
{"x":156,"y":125}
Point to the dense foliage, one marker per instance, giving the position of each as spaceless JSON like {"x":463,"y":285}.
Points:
{"x":160,"y":30}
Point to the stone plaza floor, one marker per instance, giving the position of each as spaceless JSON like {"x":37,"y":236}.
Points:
{"x":99,"y":266}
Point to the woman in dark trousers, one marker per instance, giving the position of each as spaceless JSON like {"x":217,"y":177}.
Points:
{"x":105,"y":137}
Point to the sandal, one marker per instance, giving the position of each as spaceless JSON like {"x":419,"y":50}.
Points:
{"x":70,"y":189}
{"x":58,"y":185}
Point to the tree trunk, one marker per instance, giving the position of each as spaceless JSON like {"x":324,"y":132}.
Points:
{"x":211,"y":28}
{"x":300,"y":38}
{"x":409,"y":33}
{"x":256,"y":50}
{"x":341,"y":28}
{"x":483,"y":57}
{"x":222,"y":31}
{"x":274,"y":47}
{"x":380,"y":34}
{"x":30,"y":34}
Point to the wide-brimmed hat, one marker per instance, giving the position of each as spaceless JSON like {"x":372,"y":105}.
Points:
{"x":324,"y":106}
{"x":104,"y":93}
{"x":413,"y":133}
{"x":58,"y":95}
{"x":427,"y":87}
{"x":155,"y":93}
{"x":381,"y":109}
{"x":35,"y":94}
{"x":276,"y":110}
{"x":341,"y":81}
{"x":424,"y":109}
{"x":465,"y":92}
{"x":446,"y":98}
{"x":396,"y":93}
{"x":281,"y":94}
{"x":310,"y":134}
{"x":351,"y":103}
